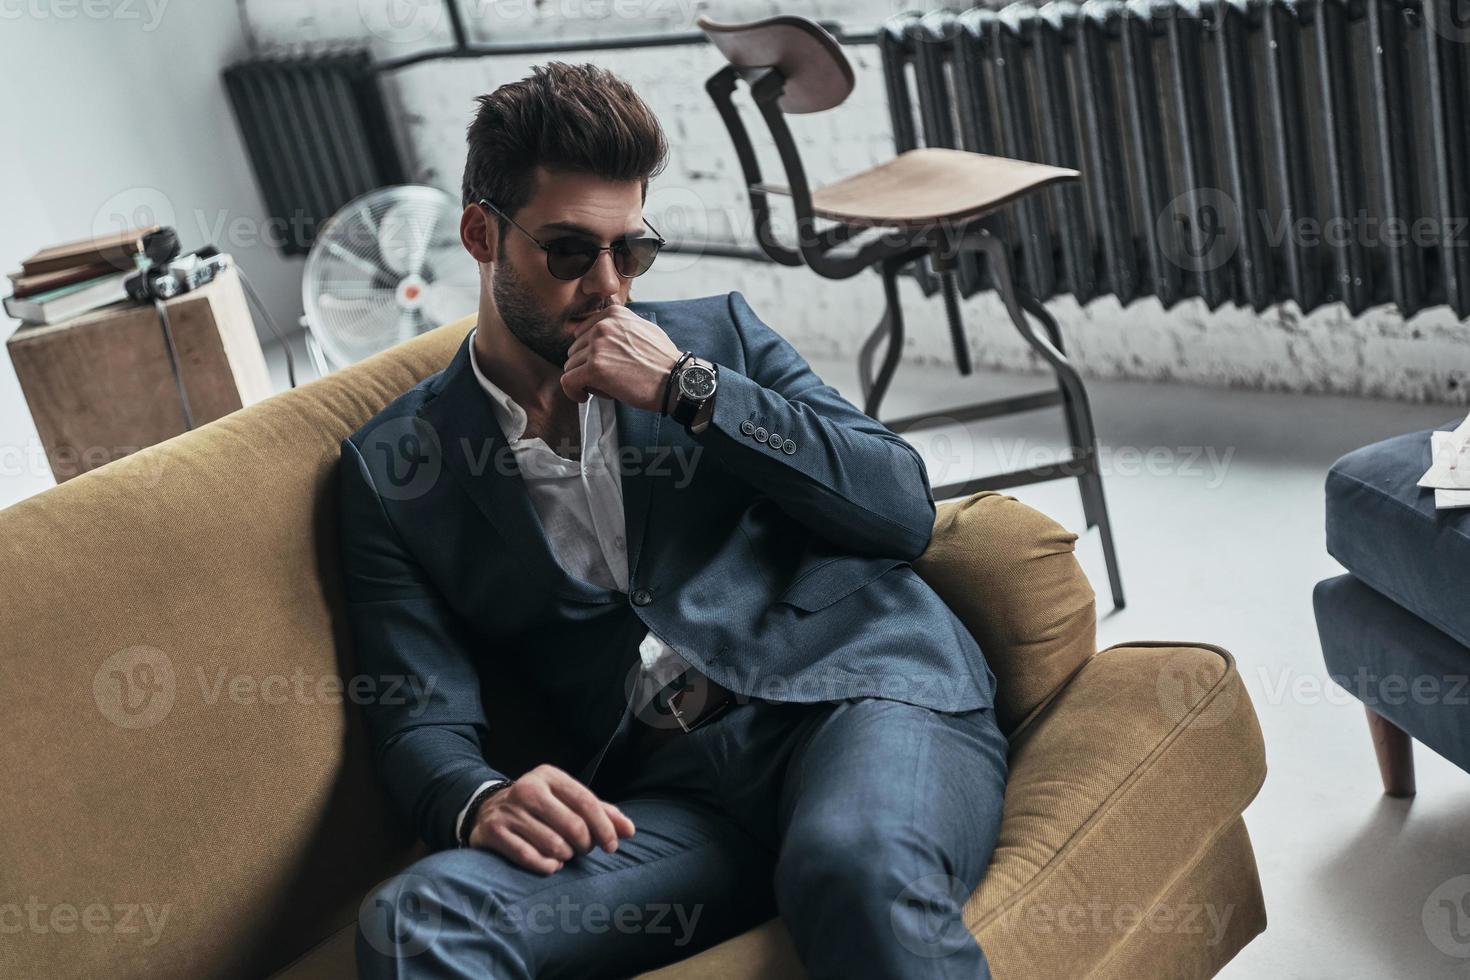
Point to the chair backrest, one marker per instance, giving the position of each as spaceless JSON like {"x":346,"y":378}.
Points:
{"x":790,"y":65}
{"x":818,"y":75}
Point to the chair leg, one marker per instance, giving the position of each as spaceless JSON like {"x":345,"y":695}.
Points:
{"x":1076,"y":406}
{"x":1080,"y":429}
{"x":957,"y":337}
{"x":1079,"y":418}
{"x":865,"y":356}
{"x":891,"y":326}
{"x":1395,"y":754}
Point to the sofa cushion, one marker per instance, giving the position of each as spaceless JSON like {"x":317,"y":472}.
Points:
{"x":1385,"y":530}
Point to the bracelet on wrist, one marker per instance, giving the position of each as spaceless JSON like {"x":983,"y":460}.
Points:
{"x":474,"y":808}
{"x":666,"y":406}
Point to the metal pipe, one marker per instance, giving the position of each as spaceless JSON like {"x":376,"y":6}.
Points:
{"x":463,"y":49}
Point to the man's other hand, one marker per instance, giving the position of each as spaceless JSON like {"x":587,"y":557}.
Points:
{"x":545,"y":818}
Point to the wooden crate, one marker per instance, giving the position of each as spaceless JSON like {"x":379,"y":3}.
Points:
{"x":100,"y":387}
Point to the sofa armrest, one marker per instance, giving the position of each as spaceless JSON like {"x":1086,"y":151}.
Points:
{"x":1119,"y":784}
{"x":1009,"y":572}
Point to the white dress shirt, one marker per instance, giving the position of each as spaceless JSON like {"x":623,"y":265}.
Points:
{"x":580,"y":504}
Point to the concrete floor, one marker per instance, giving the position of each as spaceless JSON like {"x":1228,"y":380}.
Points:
{"x":1216,"y":499}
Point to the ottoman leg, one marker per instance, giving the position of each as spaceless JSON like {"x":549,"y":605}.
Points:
{"x":1395,"y":754}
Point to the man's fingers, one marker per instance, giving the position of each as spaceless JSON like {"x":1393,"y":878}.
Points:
{"x":580,"y":330}
{"x":621,"y":823}
{"x":565,"y":821}
{"x":540,"y":836}
{"x":583,"y":801}
{"x":518,"y":849}
{"x":573,"y":382}
{"x":526,"y":855}
{"x":579,"y":344}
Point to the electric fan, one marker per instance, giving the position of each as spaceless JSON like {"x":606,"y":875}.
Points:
{"x":385,"y":268}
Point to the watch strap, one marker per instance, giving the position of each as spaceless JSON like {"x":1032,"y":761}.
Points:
{"x":667,"y":406}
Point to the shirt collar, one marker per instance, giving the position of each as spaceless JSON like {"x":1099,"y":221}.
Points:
{"x":512,"y":417}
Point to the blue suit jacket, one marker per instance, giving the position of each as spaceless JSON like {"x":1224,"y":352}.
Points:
{"x":771,"y":550}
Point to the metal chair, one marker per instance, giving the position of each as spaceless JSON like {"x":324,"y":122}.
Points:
{"x":926,"y":202}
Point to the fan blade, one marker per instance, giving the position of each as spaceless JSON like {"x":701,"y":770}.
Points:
{"x":357,"y":290}
{"x":405,"y":234}
{"x":375,"y":272}
{"x":334,"y":302}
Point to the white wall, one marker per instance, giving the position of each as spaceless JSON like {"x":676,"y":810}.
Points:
{"x":116,"y":111}
{"x":1427,"y":358}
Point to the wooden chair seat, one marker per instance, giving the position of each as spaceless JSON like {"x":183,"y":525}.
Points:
{"x":930,"y":184}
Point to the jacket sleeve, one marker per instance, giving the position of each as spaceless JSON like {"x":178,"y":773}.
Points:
{"x":418,"y":685}
{"x":847,"y":476}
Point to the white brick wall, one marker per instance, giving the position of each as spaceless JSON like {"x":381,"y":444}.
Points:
{"x":699,"y":197}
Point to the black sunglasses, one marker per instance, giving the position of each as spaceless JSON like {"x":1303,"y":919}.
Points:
{"x":572,"y":256}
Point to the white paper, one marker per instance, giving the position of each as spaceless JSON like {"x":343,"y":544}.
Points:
{"x":1462,"y":431}
{"x":1451,"y":499}
{"x":1449,"y":467}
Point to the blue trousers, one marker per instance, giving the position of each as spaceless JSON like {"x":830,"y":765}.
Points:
{"x":865,"y":824}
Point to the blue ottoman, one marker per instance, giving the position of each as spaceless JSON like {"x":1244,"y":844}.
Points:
{"x":1395,"y":630}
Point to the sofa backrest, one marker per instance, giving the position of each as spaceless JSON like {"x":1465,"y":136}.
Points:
{"x":187,"y":786}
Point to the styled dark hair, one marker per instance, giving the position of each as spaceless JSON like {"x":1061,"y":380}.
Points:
{"x":566,"y":118}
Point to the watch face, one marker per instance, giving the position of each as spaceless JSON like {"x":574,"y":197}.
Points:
{"x":697,"y":382}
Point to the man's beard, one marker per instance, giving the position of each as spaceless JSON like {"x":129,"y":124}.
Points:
{"x":544,"y":334}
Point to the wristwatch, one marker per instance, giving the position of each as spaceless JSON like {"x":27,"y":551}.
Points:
{"x":693,"y":382}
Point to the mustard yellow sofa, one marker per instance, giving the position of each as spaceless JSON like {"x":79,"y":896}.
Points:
{"x":188,"y":790}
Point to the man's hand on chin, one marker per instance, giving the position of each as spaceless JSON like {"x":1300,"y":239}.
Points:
{"x":619,"y":355}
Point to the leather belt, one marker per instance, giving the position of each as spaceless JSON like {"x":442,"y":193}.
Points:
{"x":686,"y":703}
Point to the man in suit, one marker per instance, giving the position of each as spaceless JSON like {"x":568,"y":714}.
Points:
{"x":694,"y":555}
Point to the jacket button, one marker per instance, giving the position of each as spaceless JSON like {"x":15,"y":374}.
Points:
{"x":775,"y":440}
{"x":788,"y":447}
{"x":642,"y":597}
{"x":761,"y":434}
{"x":747,"y":428}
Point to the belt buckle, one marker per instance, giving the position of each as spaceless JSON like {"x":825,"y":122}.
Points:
{"x":707,"y":716}
{"x":679,"y":716}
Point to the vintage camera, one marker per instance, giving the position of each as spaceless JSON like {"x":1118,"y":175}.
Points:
{"x":164,"y":274}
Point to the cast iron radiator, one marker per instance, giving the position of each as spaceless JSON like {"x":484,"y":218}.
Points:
{"x":317,"y":133}
{"x":1249,"y":152}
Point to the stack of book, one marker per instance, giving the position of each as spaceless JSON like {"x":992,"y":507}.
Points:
{"x":1449,"y":469}
{"x":73,"y":278}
